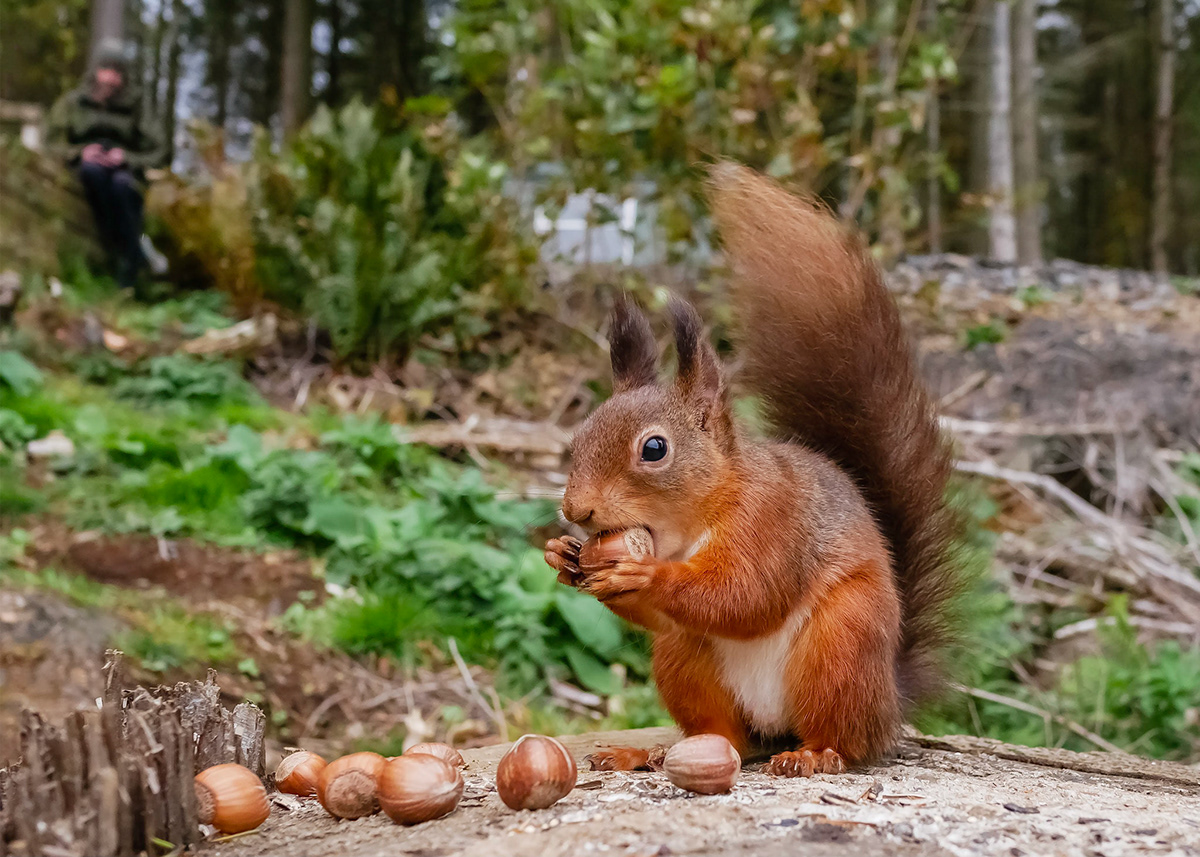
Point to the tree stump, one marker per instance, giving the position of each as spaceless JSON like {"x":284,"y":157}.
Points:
{"x":117,"y":780}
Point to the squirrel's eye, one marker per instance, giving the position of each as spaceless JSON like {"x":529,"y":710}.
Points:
{"x":654,"y":449}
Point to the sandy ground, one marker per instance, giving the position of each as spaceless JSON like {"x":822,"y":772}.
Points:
{"x":925,"y":801}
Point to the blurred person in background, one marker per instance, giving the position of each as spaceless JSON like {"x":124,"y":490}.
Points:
{"x":100,"y":131}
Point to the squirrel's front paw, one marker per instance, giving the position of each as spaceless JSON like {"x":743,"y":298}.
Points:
{"x":562,"y":555}
{"x":617,"y":578}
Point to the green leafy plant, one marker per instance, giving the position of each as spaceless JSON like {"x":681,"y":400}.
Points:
{"x":1035,"y":295}
{"x":627,"y":96}
{"x":190,"y":314}
{"x":992,"y":333}
{"x":168,"y":640}
{"x":18,"y":374}
{"x":381,"y":237}
{"x":14,"y":431}
{"x":177,"y":378}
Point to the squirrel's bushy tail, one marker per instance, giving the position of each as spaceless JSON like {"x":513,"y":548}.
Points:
{"x":824,"y":347}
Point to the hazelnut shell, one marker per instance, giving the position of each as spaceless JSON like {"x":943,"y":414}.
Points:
{"x":635,"y":542}
{"x":231,"y":798}
{"x":419,"y":787}
{"x":535,"y":773}
{"x":299,"y":773}
{"x":347,"y":786}
{"x":705,"y":764}
{"x":443,"y":751}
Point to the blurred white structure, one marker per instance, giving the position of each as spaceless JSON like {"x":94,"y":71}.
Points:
{"x":591,"y":228}
{"x":28,"y":117}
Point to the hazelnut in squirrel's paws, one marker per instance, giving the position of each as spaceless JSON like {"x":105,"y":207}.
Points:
{"x":609,"y":548}
{"x":606,"y":565}
{"x":805,"y":763}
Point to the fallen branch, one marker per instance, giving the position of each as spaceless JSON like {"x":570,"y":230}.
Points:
{"x":1068,"y":498}
{"x":1105,"y":764}
{"x":1018,"y":705}
{"x":253,"y":334}
{"x":1087,"y":626}
{"x":497,"y":433}
{"x":1018,"y":429}
{"x":496,"y":713}
{"x":1146,"y":556}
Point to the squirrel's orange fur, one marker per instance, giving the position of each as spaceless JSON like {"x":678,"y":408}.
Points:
{"x":797,"y":586}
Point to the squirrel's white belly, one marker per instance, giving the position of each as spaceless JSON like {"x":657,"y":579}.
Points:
{"x":753,"y":670}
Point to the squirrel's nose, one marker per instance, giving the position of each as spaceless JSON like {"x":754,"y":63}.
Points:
{"x":575,"y":512}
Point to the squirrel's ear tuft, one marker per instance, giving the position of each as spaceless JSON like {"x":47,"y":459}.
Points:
{"x":632,"y":348}
{"x":699,"y":373}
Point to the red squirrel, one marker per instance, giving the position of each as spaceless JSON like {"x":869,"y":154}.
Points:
{"x":797,"y":588}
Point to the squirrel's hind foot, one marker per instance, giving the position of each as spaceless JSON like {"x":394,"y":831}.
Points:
{"x":805,"y":763}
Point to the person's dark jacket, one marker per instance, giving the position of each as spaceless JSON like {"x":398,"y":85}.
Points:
{"x":76,"y":120}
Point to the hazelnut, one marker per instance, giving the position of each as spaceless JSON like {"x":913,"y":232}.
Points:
{"x":231,"y":798}
{"x":419,"y":787}
{"x":443,"y":751}
{"x":535,"y":773}
{"x":635,"y":542}
{"x":298,"y":773}
{"x":346,"y":788}
{"x":705,"y":764}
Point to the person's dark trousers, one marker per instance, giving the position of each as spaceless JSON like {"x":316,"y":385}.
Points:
{"x":116,"y":203}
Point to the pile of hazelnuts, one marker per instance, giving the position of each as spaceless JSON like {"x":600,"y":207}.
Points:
{"x":426,"y":782}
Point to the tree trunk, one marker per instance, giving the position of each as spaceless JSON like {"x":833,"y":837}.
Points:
{"x":933,"y":142}
{"x":1026,"y":165}
{"x":296,"y":78}
{"x":219,"y":50}
{"x":891,"y":178}
{"x":333,"y":92}
{"x":140,"y":46}
{"x":1160,"y":206}
{"x":175,"y":51}
{"x":265,"y":101}
{"x":413,"y":46}
{"x":977,"y":65}
{"x":107,"y":22}
{"x":154,"y":78}
{"x":1002,"y":229}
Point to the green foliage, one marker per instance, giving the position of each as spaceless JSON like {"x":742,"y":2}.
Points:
{"x":191,"y":315}
{"x":624,"y":91}
{"x":1140,"y":698}
{"x":369,"y":445}
{"x":382,"y":236}
{"x":50,"y":52}
{"x":453,"y":558}
{"x":1143,"y":700}
{"x":159,"y":632}
{"x":18,"y":374}
{"x":14,"y":431}
{"x":1035,"y":295}
{"x":177,"y":378}
{"x":1186,"y":511}
{"x":15,"y":498}
{"x":169,"y":640}
{"x":992,"y":333}
{"x":425,"y":550}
